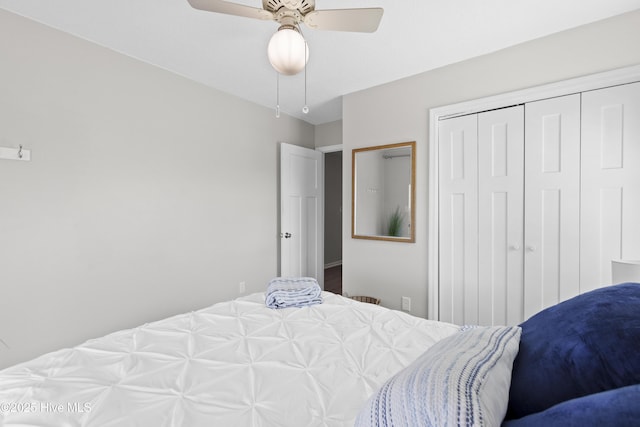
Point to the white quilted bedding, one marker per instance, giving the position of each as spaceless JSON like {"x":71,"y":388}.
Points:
{"x":236,"y":363}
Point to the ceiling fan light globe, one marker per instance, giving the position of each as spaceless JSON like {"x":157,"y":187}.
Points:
{"x":288,"y":52}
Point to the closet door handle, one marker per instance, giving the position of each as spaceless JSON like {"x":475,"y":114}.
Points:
{"x":531,"y":248}
{"x":514,"y":247}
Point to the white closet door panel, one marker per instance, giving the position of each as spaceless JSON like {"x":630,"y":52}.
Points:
{"x":500,"y":215}
{"x":458,"y":225}
{"x":552,"y":202}
{"x":610,"y":193}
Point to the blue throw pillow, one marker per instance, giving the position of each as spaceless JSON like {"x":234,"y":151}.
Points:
{"x":619,"y":407}
{"x":582,"y":346}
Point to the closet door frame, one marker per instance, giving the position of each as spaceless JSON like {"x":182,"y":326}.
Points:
{"x":566,"y":87}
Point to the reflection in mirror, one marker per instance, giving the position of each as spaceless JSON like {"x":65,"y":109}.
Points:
{"x":383,"y":192}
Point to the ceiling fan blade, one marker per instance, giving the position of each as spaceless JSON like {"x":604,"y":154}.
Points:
{"x":357,"y":20}
{"x":228,"y":8}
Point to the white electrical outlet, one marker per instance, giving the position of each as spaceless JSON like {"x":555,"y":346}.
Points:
{"x":406,"y":304}
{"x":242,"y":287}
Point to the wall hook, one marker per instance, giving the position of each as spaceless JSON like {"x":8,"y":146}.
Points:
{"x":12,"y":153}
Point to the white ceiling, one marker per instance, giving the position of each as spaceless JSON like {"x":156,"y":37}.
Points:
{"x":229,"y":53}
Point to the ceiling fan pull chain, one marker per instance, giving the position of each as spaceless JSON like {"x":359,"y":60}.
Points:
{"x":277,"y":95}
{"x":305,"y":109}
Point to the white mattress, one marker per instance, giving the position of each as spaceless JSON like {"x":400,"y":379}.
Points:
{"x":236,"y":363}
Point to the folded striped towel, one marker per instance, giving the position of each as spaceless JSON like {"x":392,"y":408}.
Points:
{"x":284,"y":292}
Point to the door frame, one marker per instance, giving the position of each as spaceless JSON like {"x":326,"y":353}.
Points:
{"x":324,"y":150}
{"x":536,"y":93}
{"x":330,"y":148}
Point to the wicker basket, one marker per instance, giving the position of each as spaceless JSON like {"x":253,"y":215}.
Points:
{"x":370,"y":300}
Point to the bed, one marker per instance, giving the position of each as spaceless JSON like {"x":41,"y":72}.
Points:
{"x":339,"y":363}
{"x":236,"y":363}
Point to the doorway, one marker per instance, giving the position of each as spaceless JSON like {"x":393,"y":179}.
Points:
{"x":333,"y":221}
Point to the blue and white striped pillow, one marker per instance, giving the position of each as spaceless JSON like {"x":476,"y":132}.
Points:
{"x":462,"y":380}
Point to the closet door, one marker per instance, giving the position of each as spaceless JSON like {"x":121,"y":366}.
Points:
{"x":552,"y":202}
{"x":610,"y":194}
{"x":458,"y":220}
{"x":500,"y":215}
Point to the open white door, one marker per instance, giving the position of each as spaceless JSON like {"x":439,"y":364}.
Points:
{"x":301,"y":212}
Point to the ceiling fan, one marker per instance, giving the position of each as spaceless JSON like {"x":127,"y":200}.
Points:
{"x":292,"y":12}
{"x":288,"y":51}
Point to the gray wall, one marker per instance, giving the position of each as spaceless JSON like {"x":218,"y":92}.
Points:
{"x":147,"y":194}
{"x":398,"y":112}
{"x":328,"y":134}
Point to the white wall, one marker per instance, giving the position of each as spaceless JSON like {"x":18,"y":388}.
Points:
{"x":147,"y":195}
{"x":398,"y":112}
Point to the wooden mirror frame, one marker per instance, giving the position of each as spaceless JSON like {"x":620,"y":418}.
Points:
{"x":412,"y":214}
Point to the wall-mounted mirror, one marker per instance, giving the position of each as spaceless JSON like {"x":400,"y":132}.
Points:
{"x":383,"y":192}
